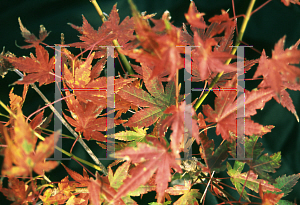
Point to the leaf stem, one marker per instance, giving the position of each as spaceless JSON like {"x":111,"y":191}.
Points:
{"x":123,"y":58}
{"x":98,"y":9}
{"x":222,"y":190}
{"x":237,"y":43}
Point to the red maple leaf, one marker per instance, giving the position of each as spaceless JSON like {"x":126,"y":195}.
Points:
{"x":60,"y":194}
{"x":287,"y":2}
{"x":223,"y":23}
{"x":38,"y":68}
{"x":85,"y":118}
{"x":194,"y":17}
{"x":100,"y":188}
{"x":159,"y":45}
{"x":177,"y":120}
{"x":225,"y":113}
{"x":207,"y":61}
{"x":155,"y":106}
{"x":82,"y":180}
{"x":110,"y":30}
{"x":151,"y":159}
{"x":278,"y":72}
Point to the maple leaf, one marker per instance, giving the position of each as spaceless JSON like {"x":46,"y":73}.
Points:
{"x":91,"y":38}
{"x":207,"y":61}
{"x":123,"y":31}
{"x":98,"y":68}
{"x":279,"y":69}
{"x":155,"y":107}
{"x":58,"y":195}
{"x":285,"y":183}
{"x":269,"y":198}
{"x":82,"y":180}
{"x":189,"y":196}
{"x":85,"y":118}
{"x":38,"y":68}
{"x":213,"y":158}
{"x":260,"y":164}
{"x":86,"y":88}
{"x":194,"y":17}
{"x":179,"y":189}
{"x":31,"y":38}
{"x":151,"y":159}
{"x":249,"y":179}
{"x":122,"y":106}
{"x":177,"y":122}
{"x":223,"y":23}
{"x":22,"y":156}
{"x":225,"y":113}
{"x":287,"y":2}
{"x":132,"y":137}
{"x":100,"y":190}
{"x":17,"y":192}
{"x":14,"y":99}
{"x":110,"y":30}
{"x":159,"y":45}
{"x":116,"y":180}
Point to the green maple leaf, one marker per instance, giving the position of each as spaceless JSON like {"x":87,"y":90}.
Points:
{"x":285,"y":183}
{"x":260,"y":164}
{"x":116,"y":180}
{"x":189,"y":197}
{"x":238,"y":179}
{"x":154,"y":103}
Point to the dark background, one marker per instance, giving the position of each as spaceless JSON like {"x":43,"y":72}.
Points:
{"x":265,"y":28}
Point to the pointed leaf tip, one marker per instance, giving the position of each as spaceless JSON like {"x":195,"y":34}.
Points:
{"x":297,"y":118}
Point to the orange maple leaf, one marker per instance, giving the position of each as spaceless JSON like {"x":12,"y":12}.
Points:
{"x":21,"y":155}
{"x":38,"y":68}
{"x":18,"y":192}
{"x":269,"y":198}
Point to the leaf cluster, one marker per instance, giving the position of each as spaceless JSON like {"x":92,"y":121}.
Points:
{"x":163,"y":126}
